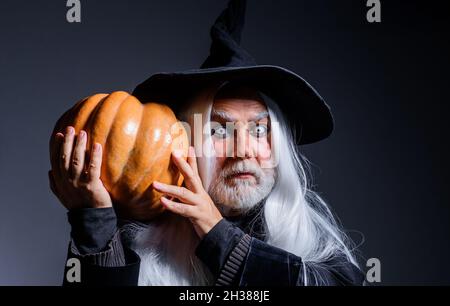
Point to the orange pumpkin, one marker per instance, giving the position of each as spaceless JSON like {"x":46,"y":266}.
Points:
{"x":137,"y":142}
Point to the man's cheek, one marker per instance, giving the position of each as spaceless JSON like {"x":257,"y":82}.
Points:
{"x":219,"y":149}
{"x":263,"y":151}
{"x":266,"y":158}
{"x":219,"y":164}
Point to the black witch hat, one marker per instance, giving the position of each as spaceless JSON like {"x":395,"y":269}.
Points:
{"x":228,"y":61}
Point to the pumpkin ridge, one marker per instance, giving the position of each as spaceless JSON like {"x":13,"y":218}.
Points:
{"x":117,"y":184}
{"x":91,"y":120}
{"x":155,"y":157}
{"x":142,"y":191}
{"x":146,"y":173}
{"x":97,"y":116}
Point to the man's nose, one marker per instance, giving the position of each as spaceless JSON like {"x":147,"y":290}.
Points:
{"x":243,"y":147}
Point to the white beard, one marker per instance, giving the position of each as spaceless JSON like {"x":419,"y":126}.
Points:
{"x":236,"y":196}
{"x":167,"y":251}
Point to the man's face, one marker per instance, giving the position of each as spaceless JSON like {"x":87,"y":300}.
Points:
{"x":240,"y":129}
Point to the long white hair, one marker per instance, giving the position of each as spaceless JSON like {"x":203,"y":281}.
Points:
{"x":166,"y":248}
{"x":296,"y":218}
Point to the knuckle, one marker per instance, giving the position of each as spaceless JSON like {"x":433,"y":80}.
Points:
{"x":88,"y":187}
{"x":85,"y":176}
{"x":75,"y":161}
{"x":67,"y":140}
{"x":181,"y":208}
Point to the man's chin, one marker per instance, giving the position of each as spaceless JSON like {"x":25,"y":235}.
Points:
{"x":236,"y":207}
{"x":238,"y":199}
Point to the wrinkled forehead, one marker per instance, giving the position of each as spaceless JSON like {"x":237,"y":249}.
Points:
{"x":238,"y":104}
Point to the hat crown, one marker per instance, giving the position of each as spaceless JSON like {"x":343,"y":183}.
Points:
{"x":226,"y":33}
{"x":228,"y":61}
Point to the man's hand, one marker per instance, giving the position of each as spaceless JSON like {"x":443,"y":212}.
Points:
{"x":195,"y":203}
{"x":78,"y":185}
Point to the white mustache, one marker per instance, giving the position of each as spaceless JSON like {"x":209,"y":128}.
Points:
{"x":243,"y":166}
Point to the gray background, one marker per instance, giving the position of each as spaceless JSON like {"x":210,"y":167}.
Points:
{"x":384,"y":170}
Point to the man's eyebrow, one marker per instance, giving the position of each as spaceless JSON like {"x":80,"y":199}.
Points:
{"x":260,"y":116}
{"x":218,"y":114}
{"x":222,"y":115}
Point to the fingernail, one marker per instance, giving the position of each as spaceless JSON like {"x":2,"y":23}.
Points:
{"x":96,"y":147}
{"x":70,"y":130}
{"x":164,"y":200}
{"x":82,"y":134}
{"x":158,"y":185}
{"x":176,"y":153}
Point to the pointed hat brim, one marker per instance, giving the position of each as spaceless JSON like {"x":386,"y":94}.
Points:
{"x":297,"y":99}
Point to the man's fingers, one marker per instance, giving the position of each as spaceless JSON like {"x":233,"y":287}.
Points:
{"x":182,"y":209}
{"x":181,"y":193}
{"x":95,"y":163}
{"x":191,"y":178}
{"x":66,"y":150}
{"x":59,"y":139}
{"x":78,"y":156}
{"x":192,"y":160}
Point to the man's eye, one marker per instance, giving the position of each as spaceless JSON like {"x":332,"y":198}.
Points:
{"x":259,"y":131}
{"x":219,"y":132}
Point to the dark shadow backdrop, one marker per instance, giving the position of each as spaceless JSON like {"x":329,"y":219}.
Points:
{"x":384,"y":170}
